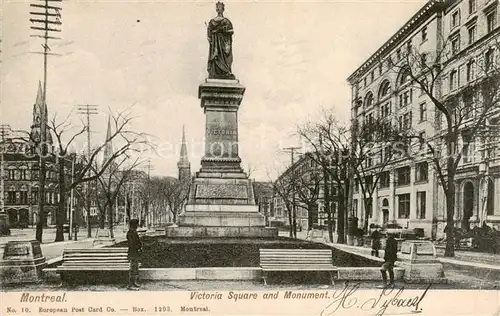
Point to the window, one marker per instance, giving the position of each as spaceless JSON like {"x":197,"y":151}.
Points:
{"x":385,"y":179}
{"x":421,"y":170}
{"x":423,"y":59}
{"x":408,"y":47}
{"x":364,"y":82}
{"x":491,"y":20}
{"x":369,"y":100}
{"x":488,"y":59}
{"x":355,"y":208}
{"x":455,"y":44}
{"x":404,"y":205}
{"x":455,"y":19}
{"x":407,"y":120}
{"x":421,"y":140}
{"x":403,"y":175}
{"x":421,"y":205}
{"x":472,"y":34}
{"x":423,"y":112}
{"x":468,"y":105}
{"x":380,"y":69}
{"x":453,"y":79}
{"x":405,"y":98}
{"x":372,"y":76}
{"x":471,"y":70}
{"x":385,"y":89}
{"x":424,"y":34}
{"x":356,"y":186}
{"x":398,"y":54}
{"x":472,"y":6}
{"x":468,"y":153}
{"x":385,"y":110}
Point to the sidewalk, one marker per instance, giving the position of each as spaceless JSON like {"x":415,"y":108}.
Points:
{"x":51,"y":249}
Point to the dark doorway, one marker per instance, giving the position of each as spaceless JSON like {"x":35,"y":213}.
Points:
{"x":468,"y":205}
{"x":385,"y":212}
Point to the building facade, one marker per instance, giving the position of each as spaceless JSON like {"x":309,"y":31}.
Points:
{"x":460,"y":38}
{"x":301,"y":186}
{"x":21,"y":165}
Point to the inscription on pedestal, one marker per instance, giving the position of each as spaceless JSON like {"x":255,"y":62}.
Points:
{"x":221,"y":191}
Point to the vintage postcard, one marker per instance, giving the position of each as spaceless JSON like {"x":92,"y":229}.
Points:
{"x":250,"y":158}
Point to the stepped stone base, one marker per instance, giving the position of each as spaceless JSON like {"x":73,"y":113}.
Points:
{"x":222,"y":215}
{"x":196,"y":231}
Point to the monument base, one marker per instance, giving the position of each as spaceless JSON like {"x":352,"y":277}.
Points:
{"x":418,"y":258}
{"x":213,"y":232}
{"x":222,"y":216}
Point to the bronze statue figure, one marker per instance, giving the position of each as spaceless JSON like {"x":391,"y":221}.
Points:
{"x":219,"y":34}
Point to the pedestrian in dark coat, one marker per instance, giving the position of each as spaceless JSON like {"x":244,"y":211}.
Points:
{"x":390,"y":257}
{"x":376,"y":235}
{"x":134,"y":251}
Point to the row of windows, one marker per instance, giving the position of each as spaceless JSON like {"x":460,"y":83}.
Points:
{"x":21,"y":197}
{"x":403,"y":204}
{"x":25,"y":174}
{"x":402,"y":177}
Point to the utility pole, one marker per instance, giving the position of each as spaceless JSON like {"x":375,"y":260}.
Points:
{"x":292,"y":151}
{"x":4,"y":131}
{"x":46,"y":19}
{"x":88,"y":110}
{"x":148,"y":194}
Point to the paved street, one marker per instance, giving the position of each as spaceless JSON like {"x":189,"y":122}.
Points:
{"x":51,"y":249}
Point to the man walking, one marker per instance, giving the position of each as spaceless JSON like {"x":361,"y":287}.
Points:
{"x":134,"y":250}
{"x":390,"y":257}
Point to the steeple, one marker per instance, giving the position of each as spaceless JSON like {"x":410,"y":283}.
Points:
{"x":108,"y":149}
{"x":183,"y":165}
{"x":37,"y":117}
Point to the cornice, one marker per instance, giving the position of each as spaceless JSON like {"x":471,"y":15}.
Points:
{"x":431,"y":7}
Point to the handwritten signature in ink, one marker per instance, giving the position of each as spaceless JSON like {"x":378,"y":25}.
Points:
{"x":388,"y":297}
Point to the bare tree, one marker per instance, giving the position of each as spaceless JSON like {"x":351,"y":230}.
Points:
{"x":329,"y":143}
{"x":123,"y":137}
{"x":285,"y":189}
{"x":462,"y":115}
{"x":111,"y":182}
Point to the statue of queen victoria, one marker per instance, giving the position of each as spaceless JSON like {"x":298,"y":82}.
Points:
{"x":220,"y":57}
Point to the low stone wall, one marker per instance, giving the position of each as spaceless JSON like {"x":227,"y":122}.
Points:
{"x":195,"y":231}
{"x":366,"y":273}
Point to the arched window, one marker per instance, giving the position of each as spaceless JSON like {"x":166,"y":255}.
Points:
{"x":385,"y":89}
{"x":385,"y":203}
{"x":369,"y":100}
{"x":404,"y":77}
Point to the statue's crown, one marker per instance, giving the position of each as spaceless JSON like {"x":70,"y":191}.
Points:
{"x":220,"y":4}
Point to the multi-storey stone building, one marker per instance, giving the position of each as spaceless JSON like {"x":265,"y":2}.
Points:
{"x":459,"y":37}
{"x":21,"y":174}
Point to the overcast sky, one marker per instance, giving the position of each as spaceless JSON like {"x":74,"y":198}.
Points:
{"x":293,"y":58}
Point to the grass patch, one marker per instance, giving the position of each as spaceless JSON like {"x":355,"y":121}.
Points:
{"x":164,"y":252}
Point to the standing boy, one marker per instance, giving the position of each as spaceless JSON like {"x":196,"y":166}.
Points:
{"x":134,"y":249}
{"x":390,"y":257}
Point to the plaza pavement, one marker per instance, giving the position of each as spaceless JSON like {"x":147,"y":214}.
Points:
{"x":461,"y":272}
{"x":51,"y":249}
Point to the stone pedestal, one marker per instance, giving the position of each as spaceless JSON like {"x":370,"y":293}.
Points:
{"x":221,"y":195}
{"x":22,"y":262}
{"x":420,"y":262}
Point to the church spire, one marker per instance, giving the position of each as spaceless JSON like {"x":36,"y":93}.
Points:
{"x":108,"y":149}
{"x":183,"y":165}
{"x":38,"y":107}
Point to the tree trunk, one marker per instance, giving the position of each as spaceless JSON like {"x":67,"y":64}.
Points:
{"x":290,"y":220}
{"x":61,"y":210}
{"x":450,"y":209}
{"x":87,"y":203}
{"x":41,"y":203}
{"x":340,"y":216}
{"x":110,"y":219}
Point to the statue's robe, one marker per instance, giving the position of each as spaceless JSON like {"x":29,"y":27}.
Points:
{"x":220,"y":57}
